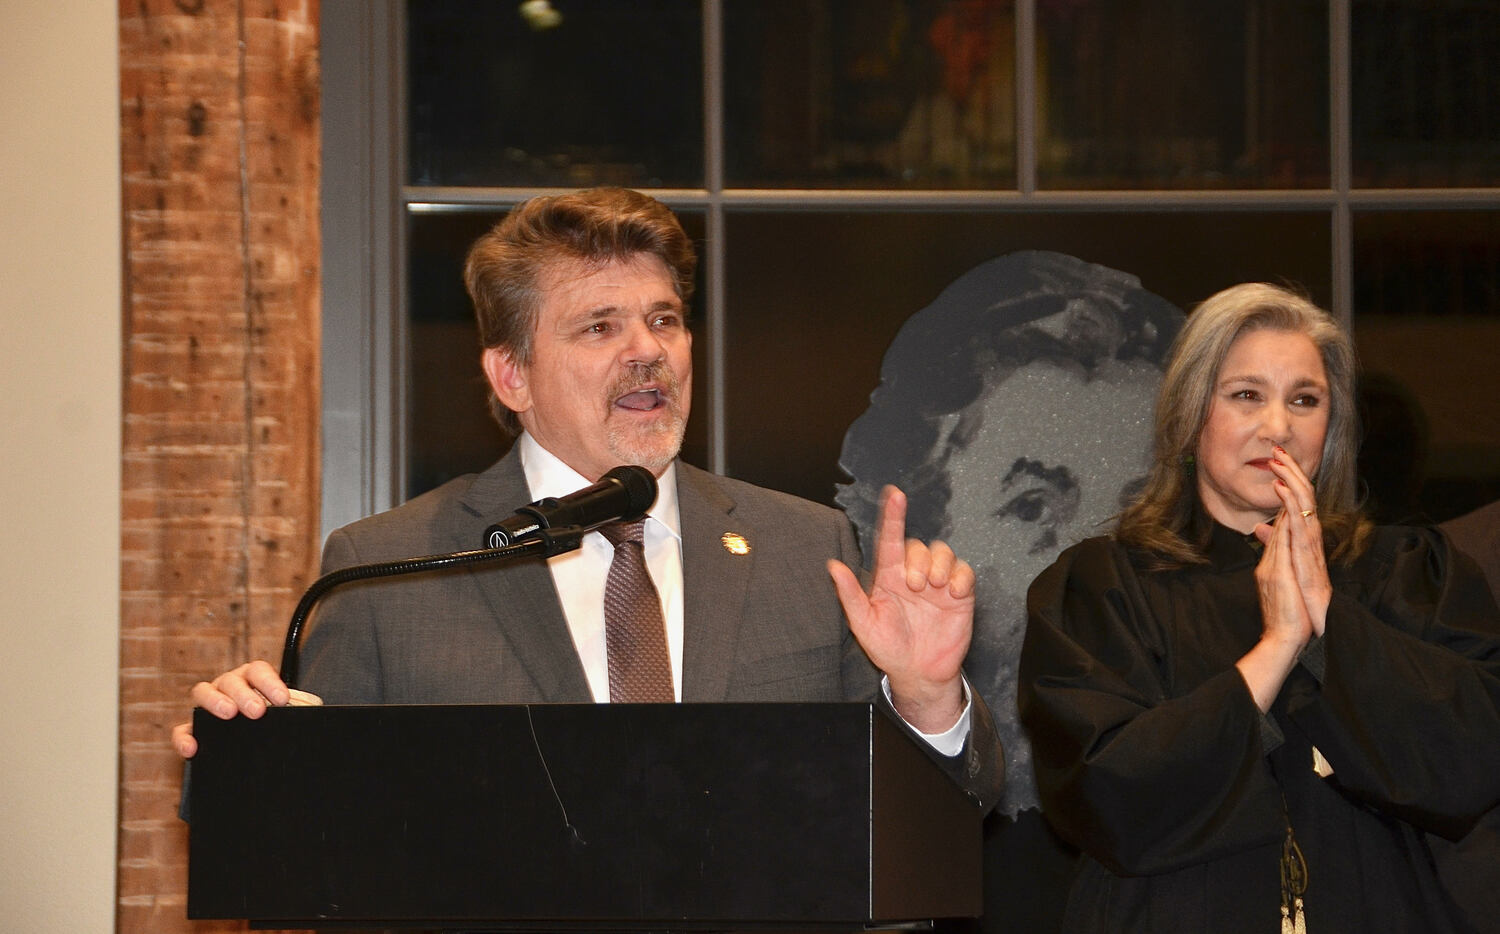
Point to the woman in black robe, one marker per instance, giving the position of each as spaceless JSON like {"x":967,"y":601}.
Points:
{"x":1248,"y":707}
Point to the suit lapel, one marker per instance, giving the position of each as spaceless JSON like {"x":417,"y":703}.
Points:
{"x":714,"y":583}
{"x":523,"y":600}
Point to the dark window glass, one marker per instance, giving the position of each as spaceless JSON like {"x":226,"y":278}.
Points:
{"x":1182,"y":94}
{"x":611,"y":93}
{"x":1425,"y":93}
{"x":869,"y":93}
{"x":1427,"y":325}
{"x":450,"y":428}
{"x":805,"y":339}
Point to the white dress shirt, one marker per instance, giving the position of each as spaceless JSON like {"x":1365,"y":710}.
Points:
{"x":579,"y":575}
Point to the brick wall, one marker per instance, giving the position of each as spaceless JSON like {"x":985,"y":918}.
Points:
{"x":219,"y":525}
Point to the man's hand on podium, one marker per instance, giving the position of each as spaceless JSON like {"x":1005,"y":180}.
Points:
{"x":248,"y":690}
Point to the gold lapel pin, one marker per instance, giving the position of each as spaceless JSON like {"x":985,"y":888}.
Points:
{"x":735,"y":543}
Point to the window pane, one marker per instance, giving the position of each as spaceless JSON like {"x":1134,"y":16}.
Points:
{"x":1426,"y":93}
{"x":805,"y":339}
{"x":1426,"y":324}
{"x":1183,"y":94}
{"x":869,"y":94}
{"x":450,"y":428}
{"x":610,"y":94}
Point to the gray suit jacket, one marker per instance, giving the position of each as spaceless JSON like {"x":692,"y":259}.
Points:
{"x":764,"y":626}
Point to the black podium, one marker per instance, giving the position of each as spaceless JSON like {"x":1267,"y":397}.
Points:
{"x":598,"y":817}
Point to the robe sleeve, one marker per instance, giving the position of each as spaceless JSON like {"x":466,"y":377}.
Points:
{"x":1408,"y":708}
{"x":1142,"y":781}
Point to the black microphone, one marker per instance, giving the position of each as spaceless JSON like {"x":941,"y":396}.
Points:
{"x":623,"y":493}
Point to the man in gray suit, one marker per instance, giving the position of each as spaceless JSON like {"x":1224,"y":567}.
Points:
{"x":581,"y":303}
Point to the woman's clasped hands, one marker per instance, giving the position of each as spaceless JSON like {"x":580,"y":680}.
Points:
{"x":1292,"y":576}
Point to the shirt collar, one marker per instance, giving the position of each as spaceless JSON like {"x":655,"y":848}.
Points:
{"x":547,"y":475}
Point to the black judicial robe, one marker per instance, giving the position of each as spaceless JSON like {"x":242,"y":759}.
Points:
{"x":1152,"y":757}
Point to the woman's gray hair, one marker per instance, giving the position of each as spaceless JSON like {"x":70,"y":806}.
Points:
{"x":1166,"y":520}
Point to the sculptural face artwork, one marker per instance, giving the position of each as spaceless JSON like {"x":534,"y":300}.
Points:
{"x":1039,"y":436}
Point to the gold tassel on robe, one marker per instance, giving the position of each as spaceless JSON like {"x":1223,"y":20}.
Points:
{"x":1293,"y":885}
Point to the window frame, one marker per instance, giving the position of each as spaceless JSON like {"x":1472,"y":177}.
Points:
{"x":365,"y":203}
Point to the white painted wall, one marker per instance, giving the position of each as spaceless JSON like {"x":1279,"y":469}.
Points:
{"x":60,"y":349}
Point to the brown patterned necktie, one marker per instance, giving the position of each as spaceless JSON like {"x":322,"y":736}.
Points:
{"x":635,"y":633}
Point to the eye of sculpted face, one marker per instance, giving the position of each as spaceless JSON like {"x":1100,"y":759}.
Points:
{"x":1045,"y":467}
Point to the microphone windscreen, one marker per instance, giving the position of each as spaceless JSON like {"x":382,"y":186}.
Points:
{"x":639,"y":486}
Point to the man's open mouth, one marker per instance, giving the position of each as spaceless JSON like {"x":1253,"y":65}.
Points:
{"x":642,"y":400}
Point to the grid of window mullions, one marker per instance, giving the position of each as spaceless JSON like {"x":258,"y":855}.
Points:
{"x":382,"y":319}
